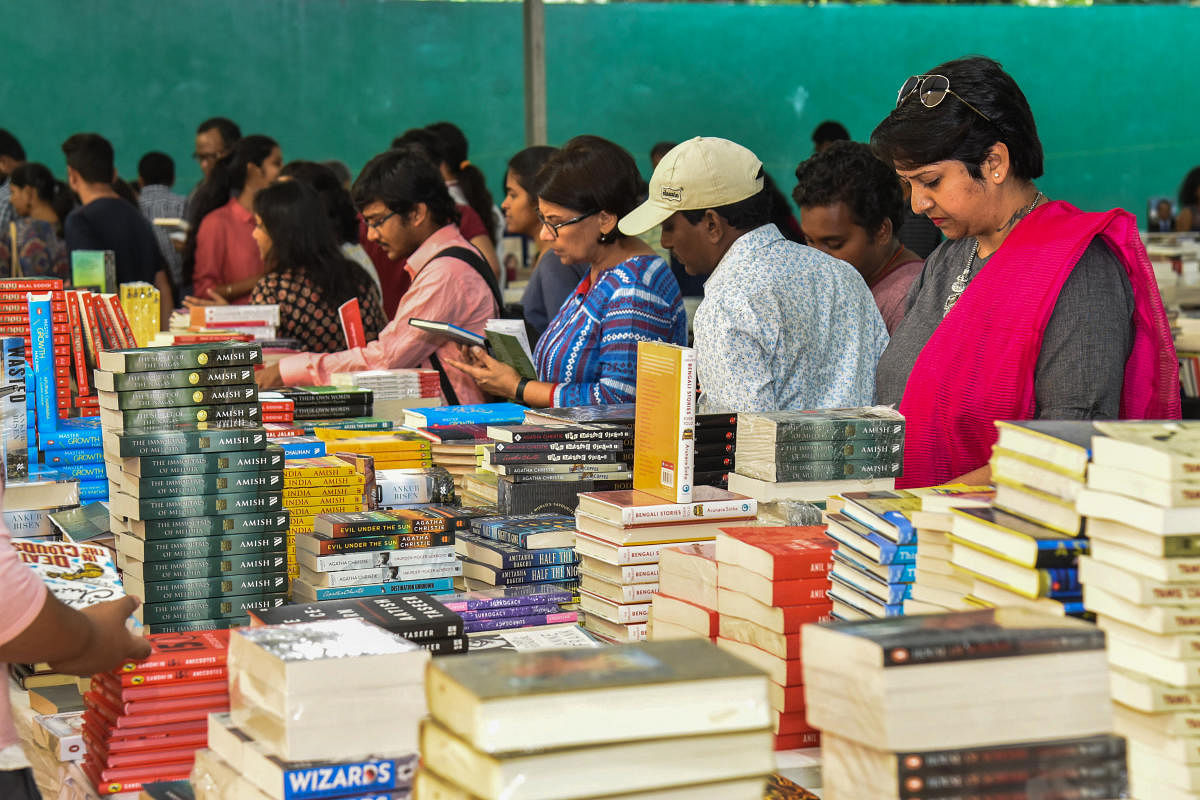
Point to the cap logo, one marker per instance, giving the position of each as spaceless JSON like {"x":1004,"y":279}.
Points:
{"x":671,"y":194}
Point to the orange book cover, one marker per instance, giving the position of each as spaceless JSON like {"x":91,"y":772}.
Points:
{"x":665,"y":421}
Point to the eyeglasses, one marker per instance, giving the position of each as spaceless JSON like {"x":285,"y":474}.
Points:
{"x":378,"y":223}
{"x":554,"y":226}
{"x":205,"y":158}
{"x":931,"y":90}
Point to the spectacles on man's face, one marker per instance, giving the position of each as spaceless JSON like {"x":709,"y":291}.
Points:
{"x":931,"y":90}
{"x":553,"y":227}
{"x":206,"y":158}
{"x":378,"y":223}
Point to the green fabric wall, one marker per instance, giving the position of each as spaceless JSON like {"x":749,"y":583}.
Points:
{"x":1110,"y":86}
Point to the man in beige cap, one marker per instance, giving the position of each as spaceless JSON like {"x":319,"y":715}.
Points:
{"x":781,"y":326}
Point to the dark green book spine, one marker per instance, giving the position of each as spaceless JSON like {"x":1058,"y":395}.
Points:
{"x":248,"y":413}
{"x":836,"y":470}
{"x":209,"y":608}
{"x":229,"y":586}
{"x":210,"y":483}
{"x":270,"y":459}
{"x":833,"y":430}
{"x":213,"y":525}
{"x":254,"y":564}
{"x":174,"y":379}
{"x":858,"y":449}
{"x":167,"y":398}
{"x":209,"y":546}
{"x":202,"y":504}
{"x":198,"y":625}
{"x":227,"y":354}
{"x":137,"y":443}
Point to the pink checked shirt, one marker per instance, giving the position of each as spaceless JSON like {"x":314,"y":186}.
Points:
{"x":22,"y":595}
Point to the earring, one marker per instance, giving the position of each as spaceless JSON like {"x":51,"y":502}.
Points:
{"x":995,"y":174}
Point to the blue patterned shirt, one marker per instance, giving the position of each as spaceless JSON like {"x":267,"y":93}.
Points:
{"x":784,"y":326}
{"x":590,"y":347}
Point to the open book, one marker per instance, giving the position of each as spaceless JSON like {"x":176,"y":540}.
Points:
{"x":510,"y":344}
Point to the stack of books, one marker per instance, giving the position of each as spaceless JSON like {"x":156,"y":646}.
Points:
{"x":29,"y":501}
{"x":313,"y":486}
{"x":715,"y":435}
{"x":418,"y":617}
{"x":685,"y":604}
{"x":287,"y":732}
{"x":145,"y":720}
{"x":809,"y":455}
{"x":937,"y":585}
{"x":459,"y":449}
{"x":480,"y":609}
{"x":891,"y":699}
{"x":621,"y":533}
{"x":1142,"y":580}
{"x":363,"y":554}
{"x":546,"y":467}
{"x":257,"y":323}
{"x":329,"y":402}
{"x":277,"y":409}
{"x":772,"y":581}
{"x":556,"y":725}
{"x":26,"y":302}
{"x":479,"y":414}
{"x":1038,"y":469}
{"x":18,"y":410}
{"x":874,"y":565}
{"x":389,"y":450}
{"x":392,"y":384}
{"x":501,"y":552}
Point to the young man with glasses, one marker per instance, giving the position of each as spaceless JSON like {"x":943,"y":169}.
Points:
{"x":409,"y":212}
{"x":781,"y":326}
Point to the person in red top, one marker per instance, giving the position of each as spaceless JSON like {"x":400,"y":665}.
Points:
{"x":409,"y":213}
{"x":221,"y":260}
{"x":36,"y":627}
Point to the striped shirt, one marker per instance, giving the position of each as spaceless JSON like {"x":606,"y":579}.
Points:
{"x":590,"y":348}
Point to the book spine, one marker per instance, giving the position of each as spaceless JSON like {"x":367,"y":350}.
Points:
{"x":74,"y":455}
{"x":622,"y":436}
{"x":210,"y":608}
{"x":509,"y":612}
{"x":711,"y":510}
{"x":329,"y":546}
{"x":200,"y":505}
{"x":210,"y":546}
{"x":173,"y":443}
{"x":183,"y":527}
{"x":16,"y":420}
{"x":269,"y":460}
{"x":41,"y":359}
{"x":84,"y":472}
{"x":836,"y":430}
{"x":120,"y":324}
{"x":586,"y":446}
{"x":231,"y":355}
{"x":93,"y":343}
{"x":212,"y":567}
{"x":547,"y":574}
{"x":686,"y":459}
{"x":108,"y":327}
{"x":527,"y":621}
{"x":375,"y":590}
{"x":149,"y":679}
{"x":513,"y":597}
{"x":384,"y":558}
{"x":350,"y":314}
{"x":209,"y":483}
{"x":77,"y":348}
{"x":536,"y":558}
{"x":836,"y":470}
{"x":228,"y":586}
{"x":154,"y":417}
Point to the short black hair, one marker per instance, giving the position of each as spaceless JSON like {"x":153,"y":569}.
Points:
{"x":590,"y":174}
{"x":660,"y":149}
{"x":229,"y":130}
{"x":402,"y":178}
{"x":525,"y":165}
{"x":913,"y":135}
{"x":424,"y":140}
{"x":850,"y":173}
{"x":830,"y":131}
{"x":156,"y":169}
{"x":91,"y":155}
{"x":334,"y":197}
{"x":1189,"y":187}
{"x":9,"y":146}
{"x":744,"y":215}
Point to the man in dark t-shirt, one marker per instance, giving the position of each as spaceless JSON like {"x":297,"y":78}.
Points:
{"x":107,"y":222}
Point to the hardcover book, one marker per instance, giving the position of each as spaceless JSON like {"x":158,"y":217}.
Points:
{"x":665,"y":425}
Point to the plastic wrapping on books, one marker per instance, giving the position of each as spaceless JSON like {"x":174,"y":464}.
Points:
{"x":796,"y":512}
{"x":406,"y":486}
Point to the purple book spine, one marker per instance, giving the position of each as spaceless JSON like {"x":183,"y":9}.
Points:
{"x":466,"y":602}
{"x":519,"y":622}
{"x":513,"y":611}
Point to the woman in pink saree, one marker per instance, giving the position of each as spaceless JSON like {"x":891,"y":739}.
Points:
{"x":1031,"y":309}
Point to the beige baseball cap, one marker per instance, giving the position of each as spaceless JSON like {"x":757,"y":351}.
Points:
{"x":704,"y":172}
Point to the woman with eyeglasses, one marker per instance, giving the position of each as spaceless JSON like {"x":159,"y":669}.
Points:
{"x":1031,"y":309}
{"x":588,"y":354}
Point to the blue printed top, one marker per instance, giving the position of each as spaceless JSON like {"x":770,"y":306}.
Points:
{"x":784,"y":326}
{"x":590,"y":347}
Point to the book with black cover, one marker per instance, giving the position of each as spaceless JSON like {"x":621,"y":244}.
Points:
{"x":416,"y":616}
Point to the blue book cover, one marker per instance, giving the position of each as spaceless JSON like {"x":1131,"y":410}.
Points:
{"x":853,"y":596}
{"x":84,"y":472}
{"x":301,"y":446}
{"x":435,"y":586}
{"x":73,"y":433}
{"x":887,"y":573}
{"x":509,"y":611}
{"x":42,"y":358}
{"x":507,"y":556}
{"x":869,"y":545}
{"x":506,"y":577}
{"x":93,"y":490}
{"x":75,"y":455}
{"x":869,"y":582}
{"x":15,"y":413}
{"x":482,"y":414}
{"x":345,"y":779}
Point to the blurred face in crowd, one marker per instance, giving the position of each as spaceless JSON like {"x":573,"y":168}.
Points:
{"x":694,"y":245}
{"x":832,"y":229}
{"x":262,"y":238}
{"x":209,"y":148}
{"x":520,"y":208}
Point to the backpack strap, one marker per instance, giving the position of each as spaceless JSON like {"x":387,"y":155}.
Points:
{"x":472,"y":258}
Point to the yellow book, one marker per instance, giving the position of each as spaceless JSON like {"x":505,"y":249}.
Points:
{"x":311,"y":496}
{"x":322,"y":467}
{"x":665,"y":421}
{"x":323,"y":507}
{"x":290,"y":482}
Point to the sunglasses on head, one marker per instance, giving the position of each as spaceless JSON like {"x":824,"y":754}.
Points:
{"x":931,"y":90}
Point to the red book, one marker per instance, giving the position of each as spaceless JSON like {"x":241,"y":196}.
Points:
{"x":278,"y":406}
{"x":777,"y":553}
{"x":120,"y":786}
{"x":805,"y":591}
{"x":282,"y":419}
{"x":126,"y":777}
{"x":124,"y":738}
{"x":91,"y":401}
{"x":57,"y":316}
{"x":205,"y":338}
{"x":112,"y":685}
{"x":8,"y":297}
{"x":108,"y":324}
{"x":790,"y":697}
{"x":80,"y":355}
{"x":157,"y":705}
{"x":92,"y":330}
{"x":139,"y":758}
{"x":20,"y":311}
{"x":350,"y":313}
{"x":117,"y":718}
{"x":795,"y":741}
{"x":40,"y":285}
{"x":791,"y":722}
{"x":173,"y":677}
{"x":124,"y":329}
{"x":174,"y":651}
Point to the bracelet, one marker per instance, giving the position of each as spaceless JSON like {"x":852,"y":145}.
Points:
{"x":519,"y":395}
